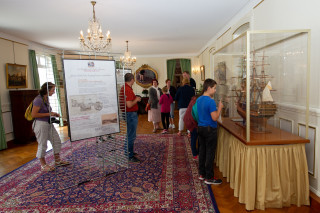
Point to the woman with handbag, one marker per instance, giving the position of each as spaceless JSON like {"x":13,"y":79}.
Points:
{"x":43,"y":127}
{"x":154,"y":114}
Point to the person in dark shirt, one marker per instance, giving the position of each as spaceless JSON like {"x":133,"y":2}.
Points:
{"x":183,"y":97}
{"x":172,"y":91}
{"x":193,"y":84}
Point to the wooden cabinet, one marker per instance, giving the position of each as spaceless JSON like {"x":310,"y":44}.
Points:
{"x":22,"y":128}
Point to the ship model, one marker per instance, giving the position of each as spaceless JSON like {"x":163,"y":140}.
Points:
{"x":262,"y":106}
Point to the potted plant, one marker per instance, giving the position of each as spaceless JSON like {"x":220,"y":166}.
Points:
{"x":145,"y":92}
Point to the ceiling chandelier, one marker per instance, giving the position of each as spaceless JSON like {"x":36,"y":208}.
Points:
{"x":127,"y":60}
{"x":95,"y":40}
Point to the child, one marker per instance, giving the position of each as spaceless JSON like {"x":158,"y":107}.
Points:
{"x":207,"y":131}
{"x":165,"y":101}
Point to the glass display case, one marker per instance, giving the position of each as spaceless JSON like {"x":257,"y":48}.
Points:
{"x":269,"y":70}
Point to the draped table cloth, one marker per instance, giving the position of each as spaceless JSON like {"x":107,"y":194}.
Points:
{"x":263,"y":175}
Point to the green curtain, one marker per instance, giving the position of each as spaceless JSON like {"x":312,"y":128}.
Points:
{"x":34,"y":68}
{"x":185,"y":65}
{"x":57,"y":81}
{"x":171,"y":68}
{"x":3,"y":142}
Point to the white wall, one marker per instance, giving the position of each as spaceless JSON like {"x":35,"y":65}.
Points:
{"x":282,"y":15}
{"x":11,"y":52}
{"x":160,"y":65}
{"x":15,"y":50}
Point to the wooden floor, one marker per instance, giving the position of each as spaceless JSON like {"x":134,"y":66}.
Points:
{"x":17,"y":155}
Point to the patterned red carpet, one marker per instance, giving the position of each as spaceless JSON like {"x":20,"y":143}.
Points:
{"x":166,"y":180}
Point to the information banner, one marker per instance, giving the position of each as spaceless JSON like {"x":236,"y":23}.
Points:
{"x":91,"y":94}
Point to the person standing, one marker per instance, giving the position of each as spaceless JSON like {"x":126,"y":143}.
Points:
{"x":172,"y":91}
{"x":154,"y":114}
{"x":208,"y":115}
{"x":193,"y":84}
{"x":165,"y":102}
{"x":183,"y":97}
{"x":192,"y":125}
{"x":131,"y":100}
{"x":43,"y":127}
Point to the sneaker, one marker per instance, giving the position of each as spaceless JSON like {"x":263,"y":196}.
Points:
{"x":134,"y":160}
{"x":195,"y":157}
{"x":213,"y":181}
{"x":164,"y":131}
{"x":170,"y":126}
{"x":201,"y":177}
{"x":173,"y":126}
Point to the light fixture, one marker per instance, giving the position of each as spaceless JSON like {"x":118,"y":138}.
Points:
{"x":95,"y":41}
{"x":195,"y":70}
{"x":127,"y":60}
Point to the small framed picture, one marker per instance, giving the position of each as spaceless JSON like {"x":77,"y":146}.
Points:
{"x":202,"y":71}
{"x":16,"y":76}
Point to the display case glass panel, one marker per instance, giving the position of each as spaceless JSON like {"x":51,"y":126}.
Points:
{"x":269,"y":70}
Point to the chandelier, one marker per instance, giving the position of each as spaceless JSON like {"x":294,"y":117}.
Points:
{"x":127,"y":60}
{"x":95,"y":40}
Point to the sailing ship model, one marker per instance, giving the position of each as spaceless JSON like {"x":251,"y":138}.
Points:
{"x":262,"y":106}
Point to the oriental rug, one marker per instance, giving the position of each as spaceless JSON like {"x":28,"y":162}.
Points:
{"x":166,"y":180}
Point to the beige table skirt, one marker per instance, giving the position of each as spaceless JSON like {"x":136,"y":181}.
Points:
{"x":264,"y":176}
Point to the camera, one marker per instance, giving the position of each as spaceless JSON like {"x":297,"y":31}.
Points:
{"x":53,"y":120}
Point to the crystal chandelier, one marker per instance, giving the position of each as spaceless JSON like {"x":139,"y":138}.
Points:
{"x":95,"y":40}
{"x":127,"y":60}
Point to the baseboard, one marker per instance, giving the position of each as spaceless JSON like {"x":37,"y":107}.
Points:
{"x":11,"y":144}
{"x":314,"y":202}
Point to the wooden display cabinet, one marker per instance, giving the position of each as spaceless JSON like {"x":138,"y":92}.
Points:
{"x":22,"y":128}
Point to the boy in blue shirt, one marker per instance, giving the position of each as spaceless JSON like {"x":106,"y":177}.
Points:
{"x":207,"y":131}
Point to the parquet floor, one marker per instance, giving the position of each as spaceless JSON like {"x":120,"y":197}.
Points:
{"x":17,"y":155}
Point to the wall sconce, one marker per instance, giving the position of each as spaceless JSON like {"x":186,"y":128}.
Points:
{"x":195,"y":70}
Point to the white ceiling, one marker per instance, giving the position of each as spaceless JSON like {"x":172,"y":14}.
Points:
{"x":163,"y":27}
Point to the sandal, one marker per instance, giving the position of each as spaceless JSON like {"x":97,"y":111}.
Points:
{"x":62,"y":163}
{"x":179,"y":133}
{"x":46,"y":168}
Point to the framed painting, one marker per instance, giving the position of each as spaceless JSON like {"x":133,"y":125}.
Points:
{"x":202,"y":72}
{"x":144,"y":76}
{"x":16,"y":76}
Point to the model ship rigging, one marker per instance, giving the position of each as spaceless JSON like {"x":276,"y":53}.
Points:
{"x":262,"y":106}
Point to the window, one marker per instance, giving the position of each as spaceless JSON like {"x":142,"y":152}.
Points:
{"x":46,"y":74}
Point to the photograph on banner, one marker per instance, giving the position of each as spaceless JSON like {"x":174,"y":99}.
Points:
{"x":92,"y":100}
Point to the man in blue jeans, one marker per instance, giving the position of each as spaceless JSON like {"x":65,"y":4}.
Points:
{"x":208,"y":115}
{"x":131,"y":101}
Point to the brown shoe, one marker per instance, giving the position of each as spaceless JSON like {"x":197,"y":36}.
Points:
{"x":47,"y":168}
{"x":62,"y":163}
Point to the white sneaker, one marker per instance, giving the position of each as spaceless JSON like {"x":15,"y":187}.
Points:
{"x":170,"y":126}
{"x":173,"y":126}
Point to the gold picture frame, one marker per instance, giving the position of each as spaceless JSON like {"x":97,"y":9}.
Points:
{"x":16,"y":76}
{"x":202,"y":72}
{"x":144,"y":75}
